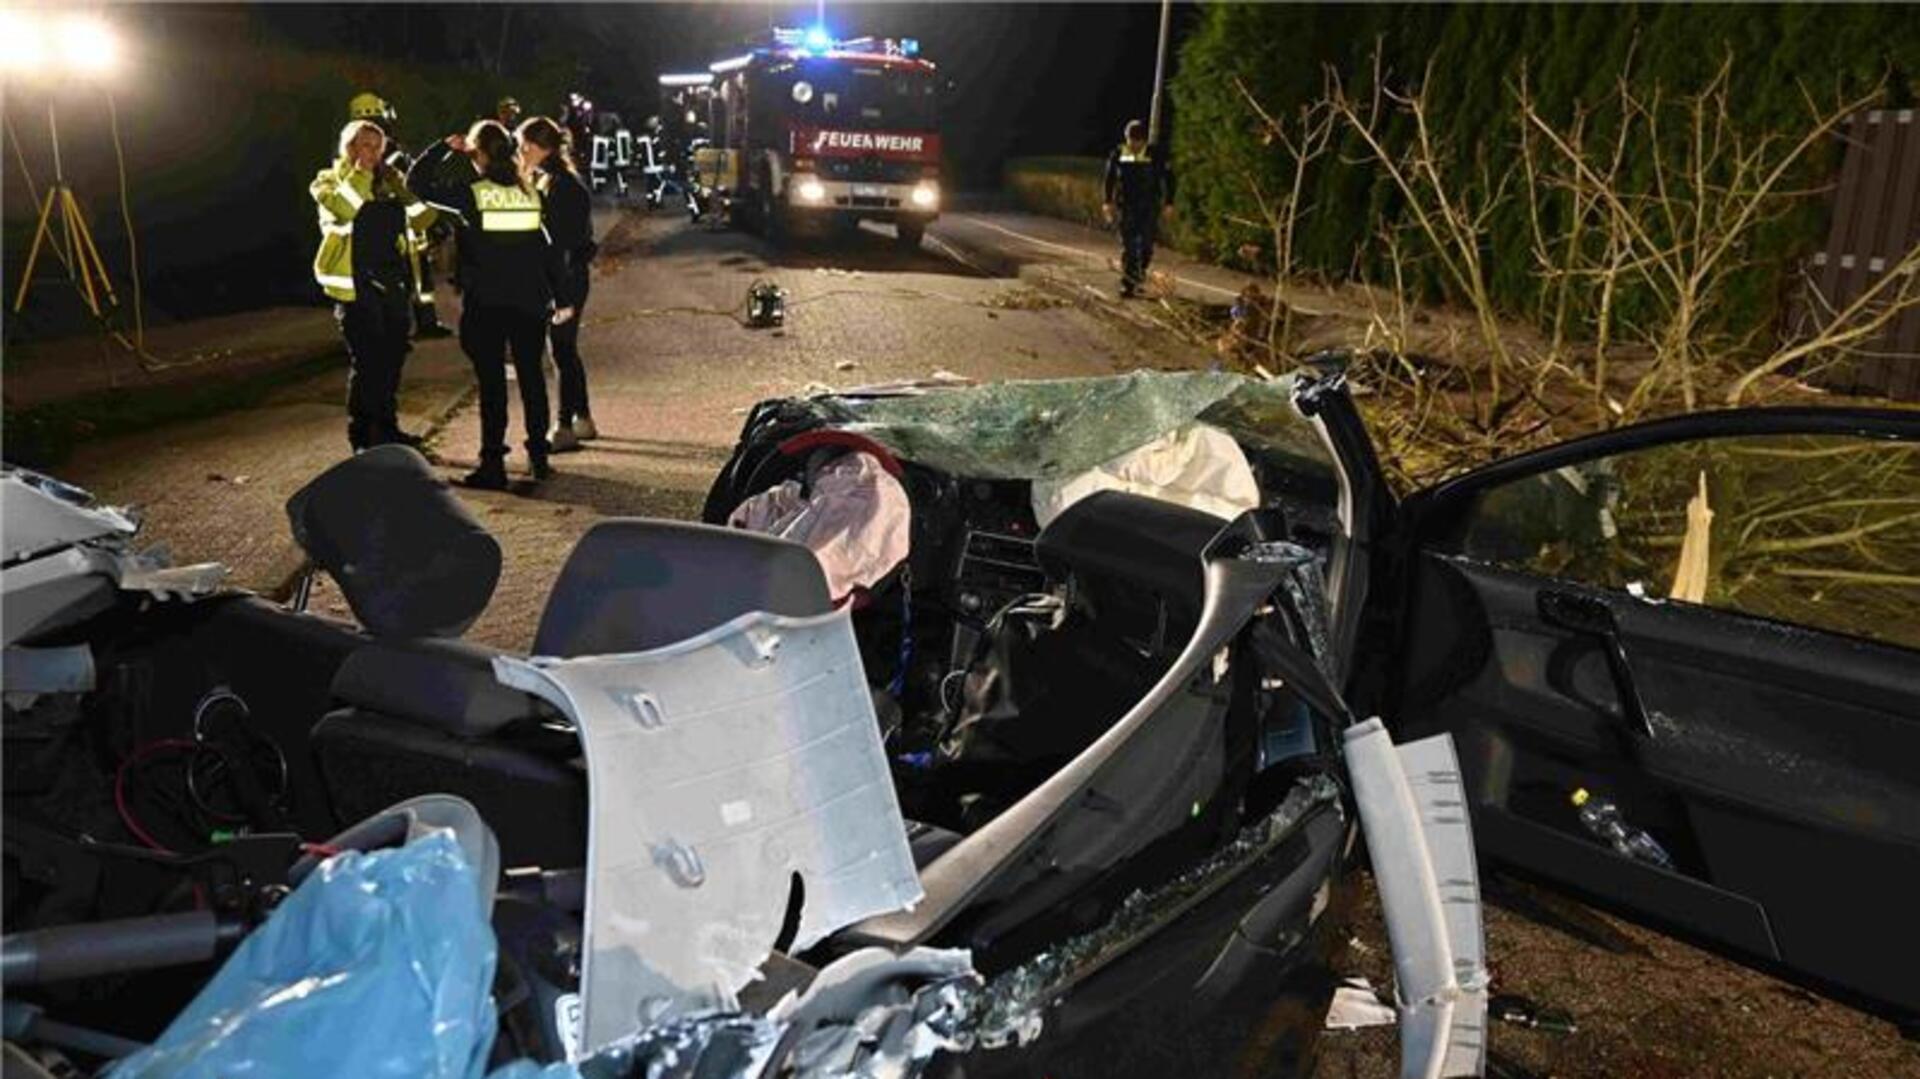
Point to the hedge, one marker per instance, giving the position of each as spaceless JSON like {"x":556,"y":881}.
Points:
{"x":1064,"y":187}
{"x":1572,"y":54}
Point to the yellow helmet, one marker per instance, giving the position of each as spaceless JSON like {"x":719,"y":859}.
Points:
{"x":368,"y":105}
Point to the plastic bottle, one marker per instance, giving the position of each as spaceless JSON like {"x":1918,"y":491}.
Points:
{"x":1602,"y":818}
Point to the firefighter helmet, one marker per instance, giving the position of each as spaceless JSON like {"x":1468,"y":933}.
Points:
{"x":367,"y":105}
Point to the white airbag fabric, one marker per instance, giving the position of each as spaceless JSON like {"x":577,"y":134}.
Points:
{"x":857,"y":521}
{"x":1196,"y":466}
{"x":718,"y":768}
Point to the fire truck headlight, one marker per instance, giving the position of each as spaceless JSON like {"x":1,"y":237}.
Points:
{"x":810,"y":189}
{"x":802,"y":92}
{"x":926,"y":196}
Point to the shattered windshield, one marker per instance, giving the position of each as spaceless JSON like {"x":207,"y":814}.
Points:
{"x":1047,"y":430}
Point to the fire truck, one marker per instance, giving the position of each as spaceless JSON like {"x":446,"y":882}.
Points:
{"x":810,"y":133}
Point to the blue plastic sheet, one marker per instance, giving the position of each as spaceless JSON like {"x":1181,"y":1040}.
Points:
{"x":379,"y":964}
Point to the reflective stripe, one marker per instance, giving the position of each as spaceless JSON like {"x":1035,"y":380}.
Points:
{"x":509,"y":220}
{"x":330,"y":281}
{"x":354,"y":198}
{"x":424,"y":297}
{"x":331,"y":228}
{"x":418,"y":208}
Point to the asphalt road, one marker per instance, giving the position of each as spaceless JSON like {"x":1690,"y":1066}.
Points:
{"x":672,"y":370}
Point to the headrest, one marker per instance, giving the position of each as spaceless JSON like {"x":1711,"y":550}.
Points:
{"x":633,"y":584}
{"x":410,"y":558}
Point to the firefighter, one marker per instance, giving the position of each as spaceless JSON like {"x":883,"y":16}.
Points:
{"x":509,"y":275}
{"x":371,"y":107}
{"x":365,"y":209}
{"x":1135,"y":189}
{"x":547,"y":154}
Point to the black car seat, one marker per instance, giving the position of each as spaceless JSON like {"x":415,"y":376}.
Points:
{"x":422,"y":712}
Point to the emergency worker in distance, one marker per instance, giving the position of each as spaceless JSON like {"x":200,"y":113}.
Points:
{"x":364,"y":210}
{"x":509,"y":275}
{"x":1136,"y":188}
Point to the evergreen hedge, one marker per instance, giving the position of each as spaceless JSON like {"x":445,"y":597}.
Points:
{"x":1572,"y":54}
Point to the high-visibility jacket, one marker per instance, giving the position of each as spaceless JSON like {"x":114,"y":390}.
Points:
{"x":506,"y":257}
{"x":338,"y":194}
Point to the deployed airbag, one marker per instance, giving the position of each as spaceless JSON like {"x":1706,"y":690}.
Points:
{"x":1194,"y":466}
{"x":856,"y":520}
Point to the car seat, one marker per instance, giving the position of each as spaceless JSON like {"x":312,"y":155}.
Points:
{"x":420,"y":713}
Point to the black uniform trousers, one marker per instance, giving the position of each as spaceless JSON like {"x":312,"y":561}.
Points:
{"x":425,"y":315}
{"x":376,"y":327}
{"x":488,"y":334}
{"x":1136,"y":246}
{"x":566,"y":357}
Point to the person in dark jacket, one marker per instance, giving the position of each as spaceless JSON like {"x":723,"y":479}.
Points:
{"x":509,"y":275}
{"x":1136,"y":189}
{"x":371,"y":107}
{"x":547,"y":154}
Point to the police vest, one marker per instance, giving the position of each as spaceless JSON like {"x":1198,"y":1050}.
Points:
{"x":505,"y":208}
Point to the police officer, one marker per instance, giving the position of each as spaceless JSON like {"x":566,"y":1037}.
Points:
{"x":1135,"y":189}
{"x":371,"y":107}
{"x":365,"y":210}
{"x":548,"y":156}
{"x":509,"y":276}
{"x":507,"y":112}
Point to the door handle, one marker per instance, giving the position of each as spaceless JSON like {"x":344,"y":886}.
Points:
{"x":1589,"y":616}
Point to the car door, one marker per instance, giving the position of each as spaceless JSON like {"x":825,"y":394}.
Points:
{"x":1712,"y":623}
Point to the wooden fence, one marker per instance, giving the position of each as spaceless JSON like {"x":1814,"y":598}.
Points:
{"x":1876,"y":221}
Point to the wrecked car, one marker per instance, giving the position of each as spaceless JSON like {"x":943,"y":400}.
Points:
{"x":1704,"y":624}
{"x":1005,"y":733}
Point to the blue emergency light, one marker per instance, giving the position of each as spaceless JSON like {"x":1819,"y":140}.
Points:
{"x":818,"y":40}
{"x":909,"y":46}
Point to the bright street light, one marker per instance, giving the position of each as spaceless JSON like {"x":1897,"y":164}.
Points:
{"x":33,"y":44}
{"x":87,"y":45}
{"x":22,"y":44}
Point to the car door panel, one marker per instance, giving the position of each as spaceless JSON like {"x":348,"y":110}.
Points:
{"x":1686,"y":904}
{"x":1779,"y":772}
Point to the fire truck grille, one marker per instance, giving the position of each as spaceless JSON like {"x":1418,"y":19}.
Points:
{"x":870,"y":170}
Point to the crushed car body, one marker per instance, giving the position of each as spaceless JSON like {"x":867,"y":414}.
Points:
{"x":1072,"y":780}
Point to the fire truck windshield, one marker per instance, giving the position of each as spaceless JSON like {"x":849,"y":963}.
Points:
{"x":850,"y":94}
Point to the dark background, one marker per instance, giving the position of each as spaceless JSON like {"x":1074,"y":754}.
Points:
{"x":226,"y":111}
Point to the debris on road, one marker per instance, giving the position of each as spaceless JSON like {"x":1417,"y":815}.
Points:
{"x":1357,"y":1005}
{"x":1022,"y":298}
{"x":1526,"y":1012}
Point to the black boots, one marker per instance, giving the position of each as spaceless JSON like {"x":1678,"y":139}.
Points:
{"x":490,"y":476}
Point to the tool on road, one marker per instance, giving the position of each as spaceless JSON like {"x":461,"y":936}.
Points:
{"x":766,"y":305}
